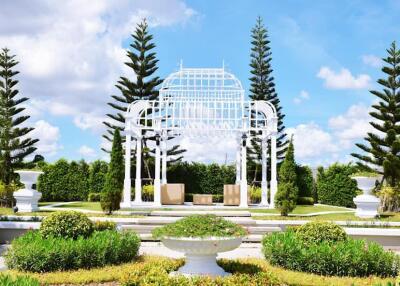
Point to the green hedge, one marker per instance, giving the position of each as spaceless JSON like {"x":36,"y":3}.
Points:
{"x":304,"y":181}
{"x":335,"y":187}
{"x":32,"y":253}
{"x":351,"y":257}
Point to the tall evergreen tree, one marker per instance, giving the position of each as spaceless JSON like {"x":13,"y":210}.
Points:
{"x":262,"y":87}
{"x":286,"y":197}
{"x":142,"y":61}
{"x":15,"y":144}
{"x":383,"y":146}
{"x":111,"y":195}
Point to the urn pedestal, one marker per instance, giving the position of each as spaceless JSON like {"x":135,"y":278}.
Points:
{"x":28,"y":198}
{"x":367,"y":204}
{"x":201,"y":254}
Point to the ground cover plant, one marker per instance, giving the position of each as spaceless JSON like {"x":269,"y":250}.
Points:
{"x":7,"y":280}
{"x":141,"y":270}
{"x":200,"y":226}
{"x":330,"y":253}
{"x":69,"y":240}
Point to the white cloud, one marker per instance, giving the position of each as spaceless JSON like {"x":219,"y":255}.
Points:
{"x":372,"y":61}
{"x":352,"y":125}
{"x":343,"y":79}
{"x":70,"y":52}
{"x":303,"y":96}
{"x":311,"y":141}
{"x":48,"y":136}
{"x":86,"y":151}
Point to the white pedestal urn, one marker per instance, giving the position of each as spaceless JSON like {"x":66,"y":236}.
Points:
{"x":201,"y":253}
{"x":367,"y":204}
{"x":28,"y":198}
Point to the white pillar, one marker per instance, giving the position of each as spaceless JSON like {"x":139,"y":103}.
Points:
{"x":264,"y":184}
{"x":138,"y":179}
{"x":273,"y":183}
{"x":243,"y":181}
{"x":237,"y":182}
{"x":164,"y":158}
{"x":157,"y":185}
{"x":126,"y":199}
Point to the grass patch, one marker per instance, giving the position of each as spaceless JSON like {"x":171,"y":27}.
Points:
{"x":240,"y":266}
{"x":304,"y":209}
{"x":387,"y":217}
{"x":92,"y":206}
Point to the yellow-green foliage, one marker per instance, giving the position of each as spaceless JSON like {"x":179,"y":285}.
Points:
{"x":319,"y":231}
{"x":246,"y":272}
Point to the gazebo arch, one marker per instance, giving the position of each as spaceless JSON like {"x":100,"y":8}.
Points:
{"x":200,"y":102}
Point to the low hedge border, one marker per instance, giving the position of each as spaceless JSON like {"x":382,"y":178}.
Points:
{"x":123,"y":273}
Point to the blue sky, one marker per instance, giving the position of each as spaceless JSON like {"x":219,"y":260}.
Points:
{"x":325,"y":59}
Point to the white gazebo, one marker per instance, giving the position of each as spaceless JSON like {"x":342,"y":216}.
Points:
{"x":200,"y":102}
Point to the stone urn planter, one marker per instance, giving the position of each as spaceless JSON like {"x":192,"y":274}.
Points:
{"x":201,"y":253}
{"x":28,"y":198}
{"x":367,"y":204}
{"x":201,"y":238}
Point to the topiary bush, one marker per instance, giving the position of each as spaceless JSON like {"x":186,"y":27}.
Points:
{"x":7,"y":280}
{"x":321,"y":231}
{"x":350,"y":257}
{"x":104,"y":225}
{"x":335,"y":187}
{"x":94,"y":197}
{"x":200,"y":226}
{"x":66,"y":224}
{"x":32,"y":253}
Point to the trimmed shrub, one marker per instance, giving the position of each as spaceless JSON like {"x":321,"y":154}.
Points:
{"x":7,"y":280}
{"x":335,"y":187}
{"x":255,"y":194}
{"x":104,"y":225}
{"x":200,"y":226}
{"x":32,"y":253}
{"x":286,"y":197}
{"x":97,"y":176}
{"x":304,"y":181}
{"x":305,"y":201}
{"x":94,"y":197}
{"x":6,"y":194}
{"x":66,"y":224}
{"x":320,"y":231}
{"x":64,"y":181}
{"x":350,"y":257}
{"x":110,"y":197}
{"x":148,"y":193}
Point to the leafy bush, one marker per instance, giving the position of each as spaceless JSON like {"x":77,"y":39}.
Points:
{"x":255,"y":194}
{"x":200,"y":226}
{"x":335,"y":187}
{"x":31,"y":252}
{"x":390,"y":199}
{"x":350,"y":257}
{"x":320,"y":231}
{"x":305,"y":201}
{"x":148,"y":193}
{"x":64,"y":181}
{"x":6,"y":194}
{"x":7,"y":280}
{"x":66,"y":224}
{"x":104,"y":225}
{"x":94,"y":197}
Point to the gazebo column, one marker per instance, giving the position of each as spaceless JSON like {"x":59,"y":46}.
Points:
{"x":237,"y":182}
{"x":273,"y":183}
{"x":164,"y":158}
{"x":243,"y":181}
{"x":138,"y":179}
{"x":264,"y":184}
{"x":157,"y":184}
{"x":126,"y":199}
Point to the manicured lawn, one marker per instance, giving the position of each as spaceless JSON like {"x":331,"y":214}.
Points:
{"x":305,"y":209}
{"x":278,"y":275}
{"x":44,"y":204}
{"x":93,"y":206}
{"x":334,"y":217}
